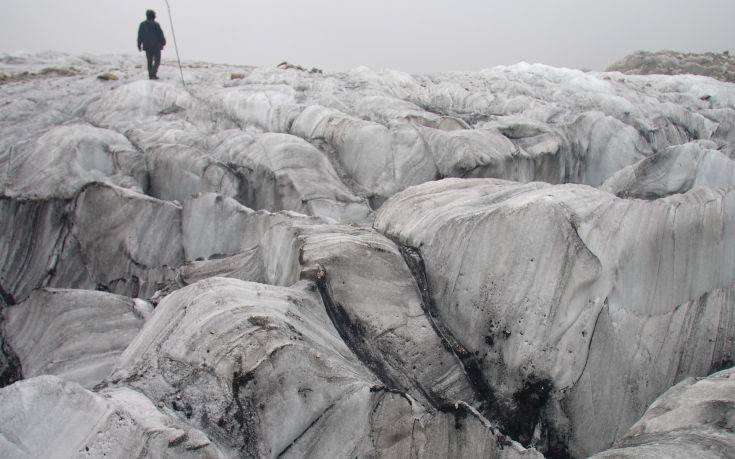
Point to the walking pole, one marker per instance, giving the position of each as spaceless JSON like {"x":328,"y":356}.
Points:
{"x":176,"y":46}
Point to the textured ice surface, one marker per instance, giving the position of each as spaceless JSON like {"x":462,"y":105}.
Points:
{"x":74,"y":334}
{"x":48,"y":417}
{"x":692,"y":419}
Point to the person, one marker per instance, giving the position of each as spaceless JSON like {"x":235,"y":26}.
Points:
{"x":151,"y":39}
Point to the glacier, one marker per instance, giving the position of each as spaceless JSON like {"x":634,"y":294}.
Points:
{"x":521,"y":261}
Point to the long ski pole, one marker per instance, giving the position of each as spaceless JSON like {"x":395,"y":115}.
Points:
{"x":176,"y":46}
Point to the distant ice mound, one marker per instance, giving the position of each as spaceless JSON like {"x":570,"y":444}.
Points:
{"x":716,"y":65}
{"x":273,"y":262}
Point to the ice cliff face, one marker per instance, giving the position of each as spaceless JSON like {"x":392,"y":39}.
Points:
{"x":270,"y":262}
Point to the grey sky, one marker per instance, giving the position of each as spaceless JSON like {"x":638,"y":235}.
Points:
{"x":410,"y":35}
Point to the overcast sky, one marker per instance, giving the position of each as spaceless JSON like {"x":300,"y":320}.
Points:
{"x":410,"y":35}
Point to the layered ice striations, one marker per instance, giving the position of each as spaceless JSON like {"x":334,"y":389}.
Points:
{"x":575,"y":293}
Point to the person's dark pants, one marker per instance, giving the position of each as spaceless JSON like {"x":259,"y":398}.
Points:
{"x":154,"y":60}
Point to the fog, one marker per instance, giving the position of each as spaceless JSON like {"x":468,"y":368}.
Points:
{"x":410,"y":35}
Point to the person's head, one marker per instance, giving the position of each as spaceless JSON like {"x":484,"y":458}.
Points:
{"x":150,"y":14}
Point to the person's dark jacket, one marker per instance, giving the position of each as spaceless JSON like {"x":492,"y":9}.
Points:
{"x":150,"y":36}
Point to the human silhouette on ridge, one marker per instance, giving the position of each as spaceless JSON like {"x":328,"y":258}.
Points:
{"x":151,"y":39}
